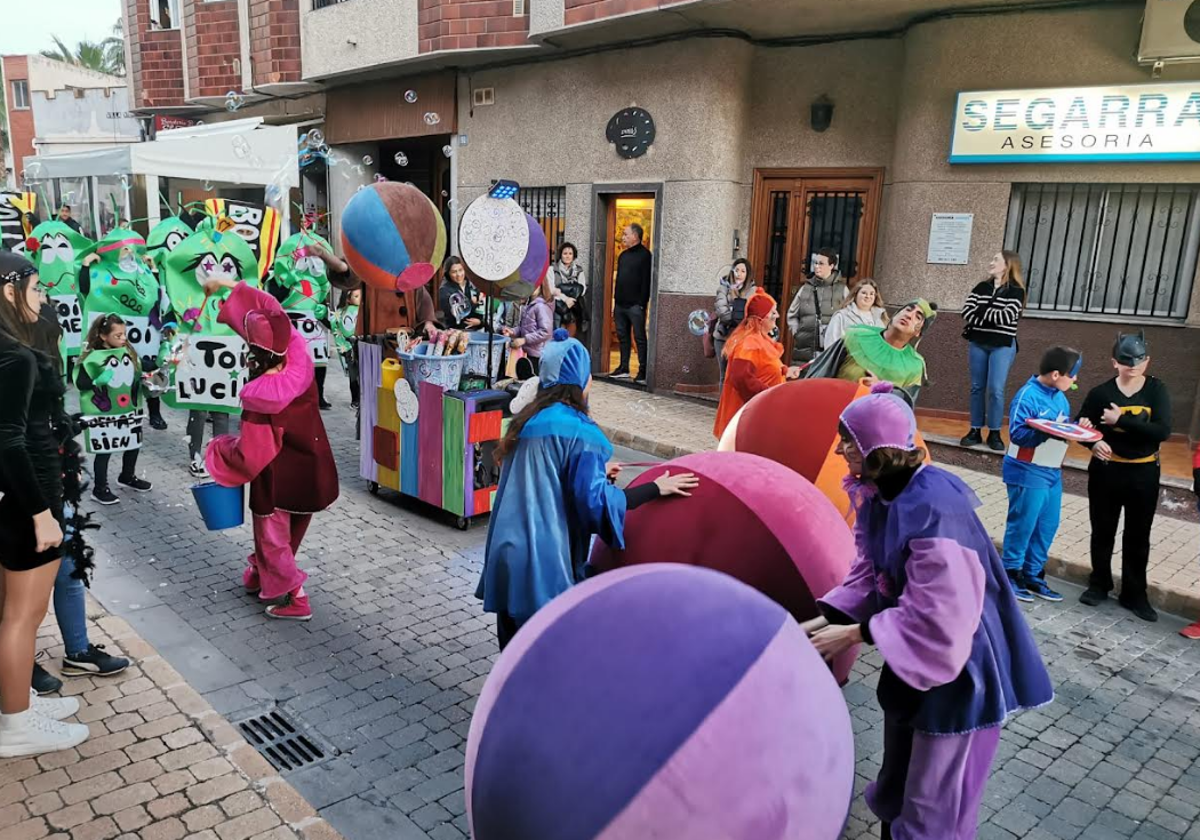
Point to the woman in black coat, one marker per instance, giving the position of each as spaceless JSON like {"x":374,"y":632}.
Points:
{"x":33,"y":433}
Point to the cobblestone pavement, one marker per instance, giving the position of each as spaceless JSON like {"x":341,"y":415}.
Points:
{"x":387,"y":673}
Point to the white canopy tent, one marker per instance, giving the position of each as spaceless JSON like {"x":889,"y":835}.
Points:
{"x":242,"y":152}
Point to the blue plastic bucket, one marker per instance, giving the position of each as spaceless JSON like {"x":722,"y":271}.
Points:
{"x":477,"y":354}
{"x":221,"y":507}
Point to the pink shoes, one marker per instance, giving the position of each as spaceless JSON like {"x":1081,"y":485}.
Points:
{"x":295,"y":608}
{"x":250,"y":581}
{"x":1192,"y":631}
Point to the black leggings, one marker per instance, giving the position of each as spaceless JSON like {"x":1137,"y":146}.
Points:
{"x":128,"y":465}
{"x":1113,"y":488}
{"x":320,"y":376}
{"x":506,"y":628}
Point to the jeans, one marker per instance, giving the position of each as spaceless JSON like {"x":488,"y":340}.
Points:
{"x":128,"y":466}
{"x":1112,"y":488}
{"x":1033,"y":517}
{"x":989,"y":375}
{"x":195,"y":430}
{"x":626,"y":318}
{"x":69,"y":606}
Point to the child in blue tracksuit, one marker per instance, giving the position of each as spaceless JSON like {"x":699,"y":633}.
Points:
{"x":1033,"y":473}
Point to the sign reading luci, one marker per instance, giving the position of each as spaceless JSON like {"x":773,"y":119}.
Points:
{"x":1125,"y":123}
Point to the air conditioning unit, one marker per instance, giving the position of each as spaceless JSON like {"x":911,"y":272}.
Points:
{"x":1170,"y":32}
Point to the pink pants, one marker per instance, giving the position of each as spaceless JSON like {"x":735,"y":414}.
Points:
{"x":276,"y":540}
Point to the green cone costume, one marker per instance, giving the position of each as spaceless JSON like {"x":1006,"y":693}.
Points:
{"x":122,"y":284}
{"x":302,"y":287}
{"x":58,"y":255}
{"x":110,"y":399}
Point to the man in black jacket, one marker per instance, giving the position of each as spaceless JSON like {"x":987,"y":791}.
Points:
{"x":630,"y":299}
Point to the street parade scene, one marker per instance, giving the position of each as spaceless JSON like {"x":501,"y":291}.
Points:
{"x":600,"y":420}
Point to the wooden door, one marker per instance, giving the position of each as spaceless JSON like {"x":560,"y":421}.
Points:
{"x":799,"y":211}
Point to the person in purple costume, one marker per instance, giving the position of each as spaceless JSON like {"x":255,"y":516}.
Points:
{"x":929,"y":590}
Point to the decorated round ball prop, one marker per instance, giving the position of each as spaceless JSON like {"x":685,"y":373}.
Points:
{"x":493,"y":237}
{"x":659,"y":701}
{"x":796,"y":424}
{"x":751,"y":518}
{"x":532,"y":270}
{"x":392,"y":236}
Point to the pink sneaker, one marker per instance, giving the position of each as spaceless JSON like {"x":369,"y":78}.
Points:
{"x":1192,"y":631}
{"x":295,"y":608}
{"x":250,"y":581}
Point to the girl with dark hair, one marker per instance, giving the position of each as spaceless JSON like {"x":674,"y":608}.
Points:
{"x":570,"y":294}
{"x":556,"y":491}
{"x":458,"y":299}
{"x":735,"y":289}
{"x":282,"y":452}
{"x":32,"y":442}
{"x":991,"y":313}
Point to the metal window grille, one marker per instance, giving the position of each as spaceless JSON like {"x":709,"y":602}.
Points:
{"x":321,"y":4}
{"x":834,"y":222}
{"x":549,"y":206}
{"x":1107,"y":249}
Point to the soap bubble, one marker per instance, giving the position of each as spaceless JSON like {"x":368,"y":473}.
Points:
{"x":687,"y":369}
{"x":233,"y":101}
{"x":208,"y":186}
{"x":448,"y":150}
{"x":124,"y":182}
{"x":241,"y":146}
{"x":445,"y":193}
{"x":379,"y":179}
{"x":274,"y":193}
{"x":361,"y":187}
{"x":358,"y":170}
{"x":432,"y":118}
{"x":401,"y":159}
{"x":410,"y":96}
{"x":316,"y":137}
{"x":698,"y":322}
{"x":368,"y":160}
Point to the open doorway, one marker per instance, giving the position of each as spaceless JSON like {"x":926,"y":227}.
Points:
{"x":620,"y":211}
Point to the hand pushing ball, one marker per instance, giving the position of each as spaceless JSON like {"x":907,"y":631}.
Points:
{"x":659,"y":702}
{"x":750,"y":518}
{"x":392,"y":236}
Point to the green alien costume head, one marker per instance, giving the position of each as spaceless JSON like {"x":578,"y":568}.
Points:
{"x":213,"y":251}
{"x":165,"y":237}
{"x":58,"y":252}
{"x":109,"y":394}
{"x":302,"y":274}
{"x":123,"y":284}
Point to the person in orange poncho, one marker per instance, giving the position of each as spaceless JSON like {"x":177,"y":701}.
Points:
{"x":753,"y":360}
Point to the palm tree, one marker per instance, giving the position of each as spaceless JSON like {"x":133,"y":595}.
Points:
{"x":107,"y":56}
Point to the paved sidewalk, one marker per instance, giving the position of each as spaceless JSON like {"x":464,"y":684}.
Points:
{"x":670,"y":427}
{"x":161,"y":764}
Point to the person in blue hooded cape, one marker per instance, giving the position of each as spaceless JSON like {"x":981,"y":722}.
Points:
{"x":557,"y":489}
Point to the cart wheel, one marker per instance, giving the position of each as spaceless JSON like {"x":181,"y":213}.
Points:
{"x":373,"y":488}
{"x":462,"y":523}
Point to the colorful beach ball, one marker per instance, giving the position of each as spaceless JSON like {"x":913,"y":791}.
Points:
{"x":392,"y":236}
{"x":750,"y":518}
{"x":796,"y":424}
{"x":665,"y":702}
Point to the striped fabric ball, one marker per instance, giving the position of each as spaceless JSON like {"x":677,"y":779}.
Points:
{"x":659,"y":702}
{"x":750,"y":518}
{"x":392,"y":236}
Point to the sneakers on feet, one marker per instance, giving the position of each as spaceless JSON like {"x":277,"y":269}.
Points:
{"x":619,"y":373}
{"x":295,"y":608}
{"x":995,"y":441}
{"x":325,"y":405}
{"x":1019,"y":590}
{"x":971,"y":438}
{"x":197,"y":468}
{"x":250,"y":580}
{"x":141,"y":485}
{"x":55,"y":708}
{"x":1093,"y":597}
{"x":640,"y":377}
{"x":1141,"y":609}
{"x":158,"y":424}
{"x":1038,"y":588}
{"x":93,"y":662}
{"x":104,"y":496}
{"x":1192,"y":631}
{"x":28,"y":733}
{"x":43,"y":681}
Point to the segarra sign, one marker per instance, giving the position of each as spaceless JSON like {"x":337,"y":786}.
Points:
{"x":1159,"y":122}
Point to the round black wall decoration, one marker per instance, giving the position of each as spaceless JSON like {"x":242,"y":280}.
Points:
{"x":632,"y":131}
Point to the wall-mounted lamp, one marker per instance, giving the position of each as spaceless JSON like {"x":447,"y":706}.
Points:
{"x":822,"y":113}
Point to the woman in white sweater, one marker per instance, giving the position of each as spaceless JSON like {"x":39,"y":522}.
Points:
{"x":864,"y":305}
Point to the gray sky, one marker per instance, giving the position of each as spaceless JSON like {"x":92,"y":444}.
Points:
{"x":26,"y":27}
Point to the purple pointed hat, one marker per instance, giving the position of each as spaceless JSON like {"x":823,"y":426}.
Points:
{"x":881,"y":419}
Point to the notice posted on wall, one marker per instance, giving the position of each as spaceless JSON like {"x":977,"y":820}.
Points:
{"x":950,"y":238}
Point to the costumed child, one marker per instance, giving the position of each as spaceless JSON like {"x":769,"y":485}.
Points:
{"x":109,"y":381}
{"x":282,"y":451}
{"x":928,"y":589}
{"x":1133,"y":412}
{"x":58,"y":251}
{"x":556,"y":491}
{"x":301,"y":285}
{"x":1033,"y":473}
{"x":345,"y":326}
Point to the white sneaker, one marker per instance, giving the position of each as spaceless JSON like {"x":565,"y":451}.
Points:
{"x":28,"y":733}
{"x":197,"y":468}
{"x":55,"y":708}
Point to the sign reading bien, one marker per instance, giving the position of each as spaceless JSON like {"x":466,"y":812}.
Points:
{"x":1156,"y":122}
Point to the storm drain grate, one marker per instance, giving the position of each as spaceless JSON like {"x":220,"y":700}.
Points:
{"x":280,"y":741}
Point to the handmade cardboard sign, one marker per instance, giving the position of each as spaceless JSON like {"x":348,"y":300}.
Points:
{"x":210,"y":373}
{"x":314,"y":334}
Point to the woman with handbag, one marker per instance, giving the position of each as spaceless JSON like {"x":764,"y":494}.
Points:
{"x":570,"y":294}
{"x":735,"y":289}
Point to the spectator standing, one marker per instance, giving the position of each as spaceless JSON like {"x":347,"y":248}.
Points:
{"x":571,"y":310}
{"x":631,"y":297}
{"x":864,"y":305}
{"x":64,"y":216}
{"x":814,"y":305}
{"x":991,"y":313}
{"x":735,"y":290}
{"x":458,"y":298}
